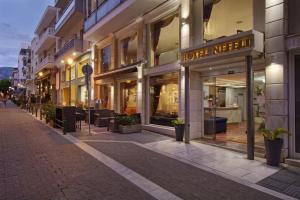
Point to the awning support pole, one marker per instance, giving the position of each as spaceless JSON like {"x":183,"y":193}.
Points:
{"x":250,"y":116}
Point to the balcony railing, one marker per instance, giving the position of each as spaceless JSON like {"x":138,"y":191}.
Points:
{"x":64,"y":14}
{"x":103,"y":9}
{"x":44,"y":62}
{"x":49,"y":32}
{"x":74,"y":44}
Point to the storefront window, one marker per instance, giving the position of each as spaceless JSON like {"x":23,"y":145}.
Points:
{"x":165,"y":40}
{"x":226,"y":17}
{"x":73,"y":73}
{"x":67,"y":75}
{"x":164,"y":99}
{"x":259,"y":104}
{"x":106,"y":59}
{"x":82,"y":95}
{"x":128,"y":50}
{"x":105,"y":97}
{"x":128,"y":97}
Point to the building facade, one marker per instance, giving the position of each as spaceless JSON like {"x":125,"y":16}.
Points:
{"x":189,"y":59}
{"x":226,"y":67}
{"x":24,"y":65}
{"x":72,"y":53}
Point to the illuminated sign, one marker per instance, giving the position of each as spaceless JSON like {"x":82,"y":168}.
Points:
{"x":222,"y":48}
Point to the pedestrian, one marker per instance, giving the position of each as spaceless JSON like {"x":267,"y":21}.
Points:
{"x":4,"y":100}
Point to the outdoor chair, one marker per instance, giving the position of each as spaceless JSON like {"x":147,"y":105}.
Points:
{"x":102,"y":117}
{"x":80,"y":116}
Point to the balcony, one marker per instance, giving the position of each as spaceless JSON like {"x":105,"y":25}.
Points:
{"x":45,"y":63}
{"x":112,"y":15}
{"x":73,"y":46}
{"x":46,"y":40}
{"x":71,"y":16}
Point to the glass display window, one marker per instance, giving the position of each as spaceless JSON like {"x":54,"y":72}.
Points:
{"x":164,"y":98}
{"x":226,"y":17}
{"x":128,"y":50}
{"x":106,"y":64}
{"x":165,"y":40}
{"x":128,"y":97}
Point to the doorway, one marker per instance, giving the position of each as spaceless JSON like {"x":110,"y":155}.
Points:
{"x":225,"y":110}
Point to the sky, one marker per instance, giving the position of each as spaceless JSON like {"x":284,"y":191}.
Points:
{"x":18,"y":20}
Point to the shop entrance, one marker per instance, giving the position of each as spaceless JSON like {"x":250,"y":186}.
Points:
{"x":225,"y":110}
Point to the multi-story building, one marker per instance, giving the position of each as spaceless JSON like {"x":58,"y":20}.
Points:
{"x":43,"y":51}
{"x":14,"y":78}
{"x":71,"y":52}
{"x":227,"y":66}
{"x":24,"y":65}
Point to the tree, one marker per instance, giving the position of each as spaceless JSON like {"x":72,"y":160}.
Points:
{"x":4,"y":85}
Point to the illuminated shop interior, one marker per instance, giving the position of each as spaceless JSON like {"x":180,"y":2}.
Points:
{"x":164,"y":98}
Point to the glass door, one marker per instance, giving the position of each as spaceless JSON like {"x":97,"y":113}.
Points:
{"x":209,"y":107}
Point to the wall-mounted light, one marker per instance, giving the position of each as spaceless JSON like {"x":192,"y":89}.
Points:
{"x":70,"y":61}
{"x":41,"y":74}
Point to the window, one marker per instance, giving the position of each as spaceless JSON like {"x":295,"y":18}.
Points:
{"x":106,"y":59}
{"x":164,"y":98}
{"x":226,"y":17}
{"x":128,"y":50}
{"x":164,"y":40}
{"x":128,"y":97}
{"x":105,"y":97}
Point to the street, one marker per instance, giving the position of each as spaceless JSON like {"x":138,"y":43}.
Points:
{"x":38,"y":163}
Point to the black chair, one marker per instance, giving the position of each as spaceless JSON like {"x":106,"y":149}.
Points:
{"x":80,"y":116}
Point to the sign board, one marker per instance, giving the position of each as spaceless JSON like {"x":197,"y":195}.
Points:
{"x":241,"y":42}
{"x":87,"y":70}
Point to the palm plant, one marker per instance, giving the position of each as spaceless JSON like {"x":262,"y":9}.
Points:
{"x":273,"y":135}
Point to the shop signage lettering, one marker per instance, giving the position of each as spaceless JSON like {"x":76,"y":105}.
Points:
{"x":218,"y":49}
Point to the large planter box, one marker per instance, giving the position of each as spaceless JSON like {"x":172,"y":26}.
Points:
{"x":130,"y":129}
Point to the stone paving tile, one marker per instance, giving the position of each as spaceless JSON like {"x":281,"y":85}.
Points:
{"x":36,"y":163}
{"x":183,"y":180}
{"x":103,"y":134}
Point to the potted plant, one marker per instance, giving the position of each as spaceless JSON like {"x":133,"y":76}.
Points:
{"x":49,"y":112}
{"x":179,"y":128}
{"x":128,"y":124}
{"x":273,"y":144}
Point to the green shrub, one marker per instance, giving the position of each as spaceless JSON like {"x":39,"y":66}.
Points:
{"x":50,"y":111}
{"x":126,"y":120}
{"x":177,"y":122}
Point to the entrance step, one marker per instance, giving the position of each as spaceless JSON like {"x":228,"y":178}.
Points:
{"x":293,"y":165}
{"x":164,"y":130}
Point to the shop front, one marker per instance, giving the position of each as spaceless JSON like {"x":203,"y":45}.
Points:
{"x":226,"y":96}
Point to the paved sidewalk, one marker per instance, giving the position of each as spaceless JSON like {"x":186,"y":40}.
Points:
{"x":225,"y":161}
{"x":37,"y":163}
{"x":183,"y":180}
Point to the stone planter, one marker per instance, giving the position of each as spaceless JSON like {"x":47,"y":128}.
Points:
{"x":130,"y":129}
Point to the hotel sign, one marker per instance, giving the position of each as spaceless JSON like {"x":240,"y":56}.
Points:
{"x":225,"y":46}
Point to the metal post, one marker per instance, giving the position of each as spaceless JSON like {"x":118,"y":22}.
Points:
{"x":187,"y":105}
{"x":70,"y":90}
{"x":89,"y":103}
{"x":250,"y":118}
